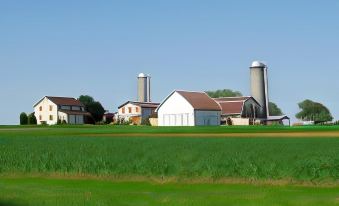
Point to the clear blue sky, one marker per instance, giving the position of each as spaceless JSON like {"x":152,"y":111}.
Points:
{"x":69,"y":48}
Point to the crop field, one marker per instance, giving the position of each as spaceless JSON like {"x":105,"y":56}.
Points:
{"x":129,"y":165}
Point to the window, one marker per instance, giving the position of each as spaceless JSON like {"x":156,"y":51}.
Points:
{"x":123,"y":110}
{"x":40,"y":108}
{"x":50,"y":117}
{"x":40,"y":117}
{"x":129,"y":109}
{"x":50,"y":107}
{"x":137,"y":109}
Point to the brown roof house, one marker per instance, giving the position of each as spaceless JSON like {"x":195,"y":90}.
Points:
{"x":49,"y":110}
{"x":188,"y":108}
{"x":135,"y":111}
{"x":238,"y":110}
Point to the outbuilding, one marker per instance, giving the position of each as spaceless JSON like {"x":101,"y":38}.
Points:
{"x":188,"y":108}
{"x":238,"y":110}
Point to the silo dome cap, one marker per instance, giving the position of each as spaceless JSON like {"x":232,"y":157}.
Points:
{"x":142,"y":75}
{"x":258,"y":64}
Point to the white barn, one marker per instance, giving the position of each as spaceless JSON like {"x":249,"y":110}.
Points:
{"x":187,"y":108}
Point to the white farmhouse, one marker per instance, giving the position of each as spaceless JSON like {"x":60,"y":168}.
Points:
{"x":49,"y":109}
{"x":187,"y":108}
{"x":136,"y":111}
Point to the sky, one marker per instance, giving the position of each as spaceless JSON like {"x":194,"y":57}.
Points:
{"x":97,"y":48}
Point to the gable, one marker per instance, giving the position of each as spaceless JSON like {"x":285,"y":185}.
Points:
{"x":175,"y":103}
{"x":44,"y":101}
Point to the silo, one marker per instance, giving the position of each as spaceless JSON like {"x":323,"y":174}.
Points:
{"x":144,"y":88}
{"x":259,"y":87}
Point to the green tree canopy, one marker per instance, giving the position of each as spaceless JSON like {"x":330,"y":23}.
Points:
{"x":313,"y":111}
{"x":93,"y":107}
{"x":274,"y":110}
{"x":31,"y":119}
{"x":223,"y":93}
{"x":86,"y":99}
{"x":23,"y":118}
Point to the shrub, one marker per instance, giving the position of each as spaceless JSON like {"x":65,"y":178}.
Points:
{"x":122,"y":121}
{"x":23,"y":118}
{"x":31,"y":118}
{"x":145,"y":121}
{"x":59,"y":122}
{"x":229,"y":121}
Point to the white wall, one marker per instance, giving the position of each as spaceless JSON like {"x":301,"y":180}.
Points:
{"x":63,"y":116}
{"x":127,"y":114}
{"x":45,"y":113}
{"x":203,"y":118}
{"x":176,"y":111}
{"x":240,"y":121}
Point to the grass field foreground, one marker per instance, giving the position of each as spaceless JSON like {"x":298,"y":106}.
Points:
{"x":24,"y":192}
{"x":105,"y":165}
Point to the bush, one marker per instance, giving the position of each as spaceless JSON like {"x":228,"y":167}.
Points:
{"x":59,"y":122}
{"x":23,"y":118}
{"x":229,"y":121}
{"x":122,"y":121}
{"x":145,"y":121}
{"x":31,"y":118}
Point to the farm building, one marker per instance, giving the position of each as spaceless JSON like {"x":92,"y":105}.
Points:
{"x":136,"y":111}
{"x":187,"y":108}
{"x":108,"y":117}
{"x":49,"y":110}
{"x":271,"y":120}
{"x":238,"y":110}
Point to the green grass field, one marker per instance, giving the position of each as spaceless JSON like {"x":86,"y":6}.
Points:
{"x":101,"y":165}
{"x":47,"y":191}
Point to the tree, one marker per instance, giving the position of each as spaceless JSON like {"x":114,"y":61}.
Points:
{"x":31,"y":119}
{"x":93,"y":107}
{"x":97,"y":111}
{"x":23,"y":118}
{"x":223,"y":93}
{"x":313,"y":111}
{"x":86,"y":99}
{"x":274,"y":110}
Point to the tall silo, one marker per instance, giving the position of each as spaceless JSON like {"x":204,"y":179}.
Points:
{"x":259,"y":87}
{"x":144,"y":88}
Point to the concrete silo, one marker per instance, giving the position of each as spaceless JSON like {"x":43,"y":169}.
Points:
{"x":259,"y":87}
{"x":144,"y":88}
